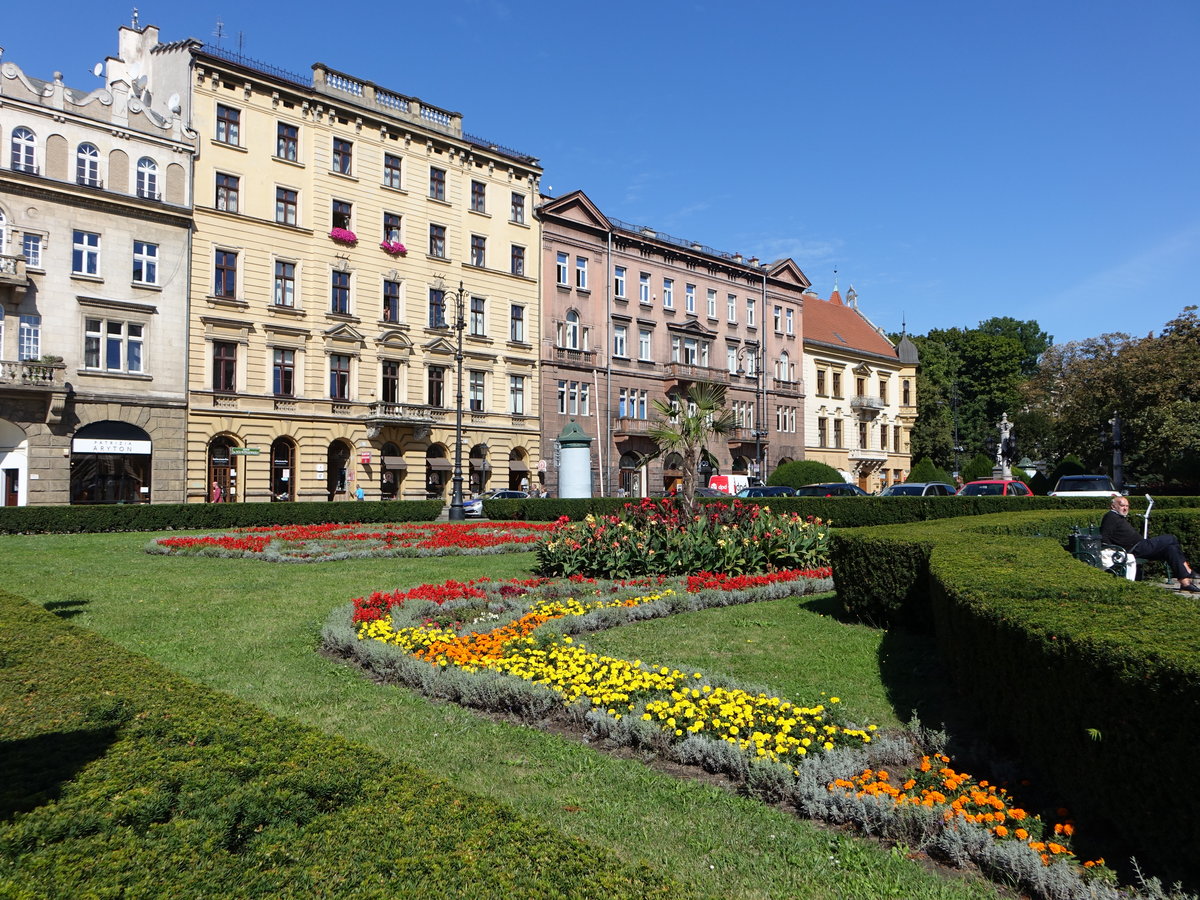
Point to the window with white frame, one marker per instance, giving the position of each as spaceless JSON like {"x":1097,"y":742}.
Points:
{"x":516,"y":323}
{"x":560,"y":269}
{"x":620,"y":340}
{"x":788,"y":322}
{"x":643,"y":343}
{"x":87,"y":165}
{"x":731,"y":307}
{"x":644,"y":289}
{"x":668,"y":293}
{"x":285,"y":283}
{"x":477,"y":383}
{"x":618,"y":281}
{"x":777,"y":319}
{"x":785,"y":419}
{"x":112,"y":345}
{"x":477,"y":321}
{"x":581,"y":273}
{"x":24,"y":151}
{"x":783,"y":367}
{"x":750,"y":309}
{"x":569,"y":332}
{"x":712,"y":303}
{"x":85,"y":253}
{"x":31,"y":249}
{"x":147,"y":179}
{"x":731,"y":360}
{"x":516,"y":395}
{"x":574,"y":398}
{"x":632,"y":403}
{"x":29,"y":337}
{"x":145,"y":262}
{"x":689,"y":299}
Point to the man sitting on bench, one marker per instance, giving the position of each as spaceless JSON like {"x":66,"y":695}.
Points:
{"x":1115,"y":529}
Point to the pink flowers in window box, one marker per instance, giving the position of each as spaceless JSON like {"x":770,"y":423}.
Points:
{"x":393,"y":247}
{"x":344,"y":236}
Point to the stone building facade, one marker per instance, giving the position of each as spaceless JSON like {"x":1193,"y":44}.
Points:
{"x":630,"y":316}
{"x":94,"y":266}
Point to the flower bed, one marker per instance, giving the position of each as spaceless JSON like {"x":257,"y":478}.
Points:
{"x":508,"y":647}
{"x":333,"y":541}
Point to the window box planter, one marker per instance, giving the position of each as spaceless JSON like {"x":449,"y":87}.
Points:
{"x":344,"y":236}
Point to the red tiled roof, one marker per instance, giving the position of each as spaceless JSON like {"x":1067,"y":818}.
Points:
{"x":833,"y":323}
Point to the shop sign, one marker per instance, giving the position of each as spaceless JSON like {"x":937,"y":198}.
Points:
{"x":114,"y":446}
{"x":245,"y":451}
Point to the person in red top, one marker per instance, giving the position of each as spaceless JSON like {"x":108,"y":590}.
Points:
{"x":1115,"y":529}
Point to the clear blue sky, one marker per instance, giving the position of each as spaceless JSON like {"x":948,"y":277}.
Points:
{"x":952,"y":160}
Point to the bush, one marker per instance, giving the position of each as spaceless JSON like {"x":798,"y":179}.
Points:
{"x":804,"y":471}
{"x":925,"y":471}
{"x":1070,"y":465}
{"x":979,"y":468}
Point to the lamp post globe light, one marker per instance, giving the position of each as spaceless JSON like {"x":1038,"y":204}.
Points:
{"x":457,"y":513}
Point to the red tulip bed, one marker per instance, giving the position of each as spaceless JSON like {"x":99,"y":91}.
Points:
{"x":333,"y":541}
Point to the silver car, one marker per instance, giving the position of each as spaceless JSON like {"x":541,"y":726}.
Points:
{"x":474,"y":506}
{"x":919,"y":489}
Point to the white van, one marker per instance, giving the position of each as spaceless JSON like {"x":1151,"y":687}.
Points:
{"x":729,"y":484}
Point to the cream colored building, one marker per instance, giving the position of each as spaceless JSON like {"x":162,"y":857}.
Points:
{"x":94,"y":226}
{"x":335,"y":220}
{"x":862,"y":399}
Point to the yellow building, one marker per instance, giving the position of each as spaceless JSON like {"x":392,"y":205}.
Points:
{"x":334,"y":223}
{"x":862,"y":400}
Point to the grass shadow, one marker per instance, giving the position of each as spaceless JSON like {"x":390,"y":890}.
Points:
{"x":66,"y":609}
{"x":41,"y":765}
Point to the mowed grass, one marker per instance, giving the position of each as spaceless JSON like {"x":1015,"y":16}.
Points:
{"x":251,"y":628}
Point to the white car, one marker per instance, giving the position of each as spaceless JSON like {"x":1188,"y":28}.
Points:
{"x":474,"y":507}
{"x":1084,"y":486}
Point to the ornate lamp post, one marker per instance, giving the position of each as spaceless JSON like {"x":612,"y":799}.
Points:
{"x":457,"y":513}
{"x":753,"y":355}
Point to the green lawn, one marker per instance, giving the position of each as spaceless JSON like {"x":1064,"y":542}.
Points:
{"x":250,"y":628}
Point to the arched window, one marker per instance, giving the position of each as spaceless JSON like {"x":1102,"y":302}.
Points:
{"x":283,"y":469}
{"x":24,"y":151}
{"x":337,"y":464}
{"x":783,"y":367}
{"x":571,"y":333}
{"x":222,"y":470}
{"x":87,"y":165}
{"x":147,"y":179}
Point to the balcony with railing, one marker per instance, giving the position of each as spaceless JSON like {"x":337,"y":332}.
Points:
{"x":32,"y":373}
{"x":792,"y":388}
{"x":689,"y":372}
{"x":864,"y":454}
{"x":867,"y":405}
{"x":384,"y":413}
{"x":627,"y":426}
{"x":12,"y":270}
{"x":744,"y":434}
{"x":581,"y":357}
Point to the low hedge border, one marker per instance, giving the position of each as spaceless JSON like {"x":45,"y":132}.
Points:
{"x":132,"y":781}
{"x":1095,"y":679}
{"x":181,"y":516}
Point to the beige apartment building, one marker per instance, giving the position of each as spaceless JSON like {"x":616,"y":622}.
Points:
{"x":335,"y":221}
{"x":95,"y":196}
{"x":864,"y":393}
{"x":631,"y":315}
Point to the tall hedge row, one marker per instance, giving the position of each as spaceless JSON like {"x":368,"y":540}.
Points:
{"x":1095,"y":679}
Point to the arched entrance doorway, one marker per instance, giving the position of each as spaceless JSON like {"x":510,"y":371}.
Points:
{"x":283,"y":469}
{"x":437,"y":472}
{"x":672,"y":473}
{"x":110,"y":463}
{"x":14,"y":463}
{"x":630,"y":476}
{"x":518,"y":470}
{"x":222,"y":470}
{"x":337,"y":464}
{"x":392,"y":470}
{"x":481,"y":469}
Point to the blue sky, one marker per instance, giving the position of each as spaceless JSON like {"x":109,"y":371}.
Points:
{"x":952,"y":160}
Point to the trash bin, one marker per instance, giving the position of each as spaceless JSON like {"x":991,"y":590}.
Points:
{"x":1085,"y":546}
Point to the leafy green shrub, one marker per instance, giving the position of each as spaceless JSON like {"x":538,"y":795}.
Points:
{"x":804,"y":471}
{"x":1070,"y":465}
{"x":979,"y":468}
{"x":925,"y":471}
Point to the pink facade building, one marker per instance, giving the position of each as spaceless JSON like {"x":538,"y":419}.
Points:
{"x":630,"y":315}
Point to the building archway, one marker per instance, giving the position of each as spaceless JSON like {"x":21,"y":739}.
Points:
{"x":110,"y":463}
{"x":392,"y":470}
{"x":481,"y":469}
{"x":283,"y":469}
{"x":14,"y":464}
{"x":337,"y":465}
{"x":630,"y":476}
{"x":518,"y":470}
{"x":222,"y":470}
{"x":437,"y":472}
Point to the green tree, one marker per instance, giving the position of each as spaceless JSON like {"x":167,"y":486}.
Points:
{"x":1034,"y":342}
{"x":804,"y":471}
{"x":684,"y":425}
{"x":979,"y":468}
{"x":925,"y":471}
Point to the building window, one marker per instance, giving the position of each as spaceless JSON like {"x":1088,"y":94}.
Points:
{"x":224,"y":358}
{"x":391,"y":227}
{"x":285,"y":283}
{"x":788,"y":322}
{"x":393,"y":174}
{"x":285,"y":206}
{"x":689,"y":299}
{"x":906,"y":393}
{"x":668,"y":293}
{"x":284,"y":373}
{"x":884,"y":389}
{"x":731,"y":360}
{"x":437,"y":241}
{"x":568,"y":335}
{"x":777,"y":319}
{"x":478,"y":250}
{"x":477,"y":326}
{"x":113,"y":346}
{"x":581,"y":273}
{"x":731,"y":307}
{"x":560,"y":269}
{"x":391,"y":301}
{"x":31,"y":249}
{"x":390,"y":381}
{"x":85,"y":253}
{"x":643,"y":344}
{"x":750,"y":310}
{"x":437,"y":183}
{"x":644,"y":288}
{"x":339,"y":292}
{"x":341,"y":214}
{"x":24,"y":151}
{"x":516,"y":323}
{"x":516,"y":395}
{"x":478,"y":196}
{"x":287,"y":143}
{"x":437,"y":386}
{"x":837,"y":434}
{"x":562,"y":397}
{"x":820,"y":382}
{"x":343,"y":156}
{"x":145,"y":262}
{"x":620,"y":340}
{"x":339,"y":377}
{"x":619,"y":281}
{"x":228,"y":124}
{"x":822,"y":432}
{"x":475,"y":389}
{"x":712,"y":303}
{"x":437,"y":308}
{"x":225,"y":273}
{"x":227,"y":193}
{"x":29,"y":337}
{"x":517,"y":261}
{"x":147,"y":179}
{"x":837,"y":386}
{"x":87,"y":165}
{"x":783,"y":368}
{"x":896,"y":439}
{"x":517,"y":212}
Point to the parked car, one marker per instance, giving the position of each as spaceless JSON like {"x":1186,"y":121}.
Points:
{"x":919,"y":489}
{"x":1084,"y":486}
{"x":767,"y":490}
{"x":842,"y":489}
{"x":474,"y":506}
{"x":710,"y":492}
{"x":999,"y":487}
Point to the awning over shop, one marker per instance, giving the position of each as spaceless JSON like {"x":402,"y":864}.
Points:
{"x":518,"y":465}
{"x":394,"y":462}
{"x":438,"y":464}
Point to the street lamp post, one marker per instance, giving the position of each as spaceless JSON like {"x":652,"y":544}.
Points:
{"x":457,"y":513}
{"x":754,"y":354}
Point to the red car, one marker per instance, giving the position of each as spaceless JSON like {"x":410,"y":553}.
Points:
{"x":995,"y":488}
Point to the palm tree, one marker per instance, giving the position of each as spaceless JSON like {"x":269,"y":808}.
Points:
{"x":685,"y":427}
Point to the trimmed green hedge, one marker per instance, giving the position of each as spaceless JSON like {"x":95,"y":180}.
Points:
{"x":123,"y":779}
{"x":180,"y":516}
{"x":1095,"y":679}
